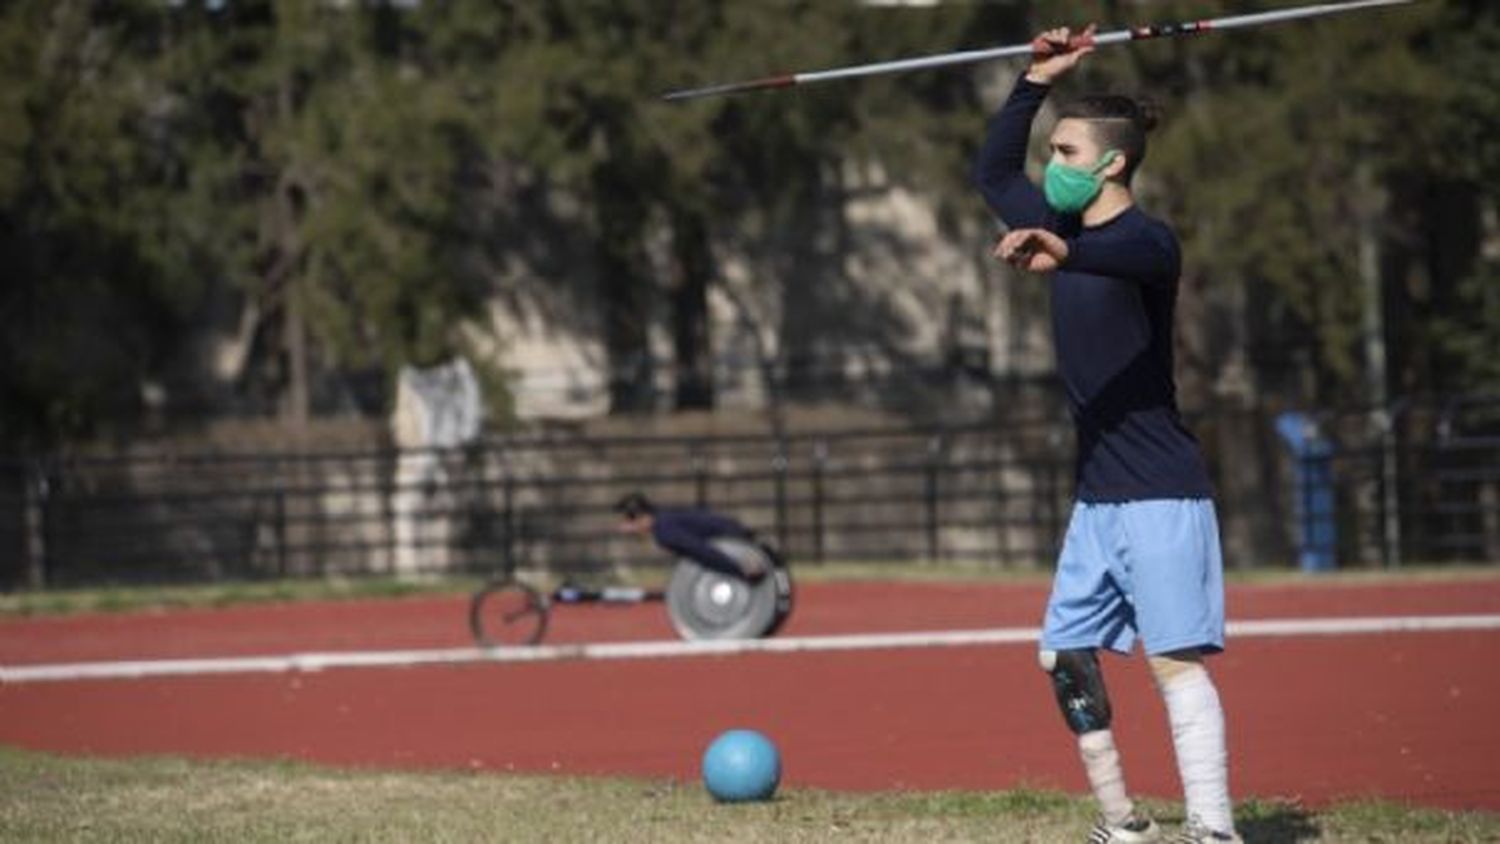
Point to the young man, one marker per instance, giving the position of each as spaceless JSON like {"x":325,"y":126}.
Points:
{"x":689,"y":532}
{"x":1141,"y":556}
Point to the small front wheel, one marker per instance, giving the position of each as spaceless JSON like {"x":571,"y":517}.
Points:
{"x":507,"y":612}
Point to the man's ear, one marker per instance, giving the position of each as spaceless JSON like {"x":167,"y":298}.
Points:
{"x":1116,"y":167}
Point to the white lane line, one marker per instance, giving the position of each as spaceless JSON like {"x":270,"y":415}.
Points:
{"x":136,"y":669}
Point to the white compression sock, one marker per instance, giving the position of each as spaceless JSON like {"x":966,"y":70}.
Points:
{"x":1101,"y":761}
{"x":1198,"y":736}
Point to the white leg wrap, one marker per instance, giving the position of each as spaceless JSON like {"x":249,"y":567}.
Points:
{"x":1198,"y":735}
{"x":1101,"y":761}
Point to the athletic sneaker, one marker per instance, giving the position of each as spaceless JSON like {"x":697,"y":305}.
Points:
{"x":1194,"y":832}
{"x":1135,"y":830}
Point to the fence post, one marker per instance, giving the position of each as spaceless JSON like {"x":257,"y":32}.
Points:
{"x":278,"y":515}
{"x":1002,"y":520}
{"x":779,"y":467}
{"x":1390,"y":489}
{"x":930,"y":495}
{"x":820,"y":458}
{"x":35,"y":525}
{"x":700,"y":479}
{"x":508,"y":520}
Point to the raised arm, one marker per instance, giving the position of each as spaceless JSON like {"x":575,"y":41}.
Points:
{"x":1000,"y":170}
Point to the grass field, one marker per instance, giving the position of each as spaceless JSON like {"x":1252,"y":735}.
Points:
{"x":49,"y":798}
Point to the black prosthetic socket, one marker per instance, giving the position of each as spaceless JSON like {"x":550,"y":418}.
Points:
{"x":1079,"y":684}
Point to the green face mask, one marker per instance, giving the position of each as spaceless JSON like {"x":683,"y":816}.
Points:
{"x":1071,"y":189}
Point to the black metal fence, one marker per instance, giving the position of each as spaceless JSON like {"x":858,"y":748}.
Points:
{"x":870,"y":495}
{"x":1419,"y":484}
{"x":1425,"y":488}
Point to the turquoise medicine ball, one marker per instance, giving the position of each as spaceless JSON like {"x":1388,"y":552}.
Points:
{"x":741,"y":765}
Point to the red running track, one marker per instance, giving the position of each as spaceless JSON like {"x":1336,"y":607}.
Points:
{"x":1405,"y":716}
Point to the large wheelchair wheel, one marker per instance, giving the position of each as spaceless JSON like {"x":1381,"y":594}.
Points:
{"x":507,"y":612}
{"x":707,"y":604}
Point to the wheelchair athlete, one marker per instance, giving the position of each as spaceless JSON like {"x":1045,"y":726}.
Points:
{"x":690,"y":531}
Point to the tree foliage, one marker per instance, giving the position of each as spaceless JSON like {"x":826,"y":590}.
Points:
{"x":334,"y":188}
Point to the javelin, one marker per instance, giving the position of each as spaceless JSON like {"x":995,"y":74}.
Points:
{"x":1119,"y":36}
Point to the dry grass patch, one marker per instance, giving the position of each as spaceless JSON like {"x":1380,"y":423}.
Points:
{"x":50,"y":798}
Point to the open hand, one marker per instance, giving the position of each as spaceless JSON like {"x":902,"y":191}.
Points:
{"x":1032,"y":250}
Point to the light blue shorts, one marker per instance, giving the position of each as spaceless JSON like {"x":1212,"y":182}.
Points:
{"x":1140,"y":568}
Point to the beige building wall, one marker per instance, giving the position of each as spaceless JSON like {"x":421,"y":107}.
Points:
{"x":941,"y":289}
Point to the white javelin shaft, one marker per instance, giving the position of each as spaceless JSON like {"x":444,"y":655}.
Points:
{"x":971,"y":56}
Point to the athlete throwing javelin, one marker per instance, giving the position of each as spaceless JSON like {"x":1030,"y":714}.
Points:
{"x":1141,"y":557}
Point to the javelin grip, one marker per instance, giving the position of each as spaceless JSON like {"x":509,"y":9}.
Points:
{"x":1041,"y":48}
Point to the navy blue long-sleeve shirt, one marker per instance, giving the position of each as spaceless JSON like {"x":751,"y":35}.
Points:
{"x":1112,"y":306}
{"x":688,"y":532}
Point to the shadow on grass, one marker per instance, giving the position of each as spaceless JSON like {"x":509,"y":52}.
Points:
{"x":1276,"y":823}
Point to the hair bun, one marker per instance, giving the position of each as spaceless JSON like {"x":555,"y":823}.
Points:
{"x":1149,"y":113}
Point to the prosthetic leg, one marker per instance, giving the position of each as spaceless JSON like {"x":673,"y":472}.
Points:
{"x":1081,"y":696}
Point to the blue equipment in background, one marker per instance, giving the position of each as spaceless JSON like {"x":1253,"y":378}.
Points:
{"x":1312,"y":456}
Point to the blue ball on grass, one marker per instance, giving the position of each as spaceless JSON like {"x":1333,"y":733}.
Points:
{"x":741,"y":766}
